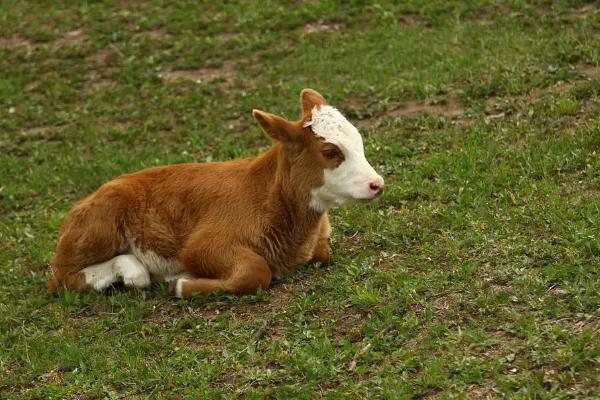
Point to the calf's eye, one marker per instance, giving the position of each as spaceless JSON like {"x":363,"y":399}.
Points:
{"x":331,"y":154}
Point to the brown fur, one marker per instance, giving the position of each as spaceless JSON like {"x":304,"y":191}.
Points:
{"x":231,"y":225}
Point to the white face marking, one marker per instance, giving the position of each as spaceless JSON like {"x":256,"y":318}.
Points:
{"x":351,"y":179}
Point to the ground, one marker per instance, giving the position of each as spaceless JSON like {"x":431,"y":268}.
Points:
{"x":475,"y":276}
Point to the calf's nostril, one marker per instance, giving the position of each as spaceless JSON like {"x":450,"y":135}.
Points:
{"x":376,"y":186}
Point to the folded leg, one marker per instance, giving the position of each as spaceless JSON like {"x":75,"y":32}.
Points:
{"x":236,"y":270}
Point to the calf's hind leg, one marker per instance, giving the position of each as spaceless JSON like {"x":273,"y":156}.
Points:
{"x":125,"y":267}
{"x":91,"y":241}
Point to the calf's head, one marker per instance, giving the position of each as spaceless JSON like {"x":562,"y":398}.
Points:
{"x":324,"y":152}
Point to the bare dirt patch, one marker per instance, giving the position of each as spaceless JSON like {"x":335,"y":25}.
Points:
{"x":349,"y":324}
{"x":584,"y":11}
{"x":14,"y":42}
{"x":414,"y":341}
{"x":36,"y":130}
{"x":137,"y":5}
{"x":95,"y":82}
{"x":592,"y":71}
{"x":486,"y":15}
{"x":123,"y":125}
{"x":32,"y":86}
{"x":227,"y":36}
{"x":155,"y":34}
{"x":40,"y":130}
{"x":321,"y":26}
{"x":443,"y":304}
{"x":451,"y":107}
{"x":101,"y":56}
{"x":367,"y":123}
{"x":579,"y":325}
{"x":99,"y":84}
{"x":534,"y":94}
{"x":412,"y":20}
{"x":226,"y":72}
{"x":483,"y":391}
{"x":52,"y":376}
{"x":561,"y":87}
{"x":45,"y":133}
{"x":360,"y":103}
{"x":72,"y":38}
{"x":236,"y":124}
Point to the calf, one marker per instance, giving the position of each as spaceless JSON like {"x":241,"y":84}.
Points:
{"x":228,"y":226}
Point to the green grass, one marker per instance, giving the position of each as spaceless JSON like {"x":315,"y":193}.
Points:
{"x":475,"y":276}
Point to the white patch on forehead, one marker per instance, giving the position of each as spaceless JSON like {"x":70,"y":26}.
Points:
{"x":329,"y":124}
{"x":351,"y":179}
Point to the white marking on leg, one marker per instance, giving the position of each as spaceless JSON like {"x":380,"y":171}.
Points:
{"x":131,"y":270}
{"x":171,"y":278}
{"x":100,"y":276}
{"x":179,"y":287}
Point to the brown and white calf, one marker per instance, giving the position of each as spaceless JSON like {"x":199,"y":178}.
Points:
{"x":228,"y":226}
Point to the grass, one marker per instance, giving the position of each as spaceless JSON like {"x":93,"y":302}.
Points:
{"x":475,"y":276}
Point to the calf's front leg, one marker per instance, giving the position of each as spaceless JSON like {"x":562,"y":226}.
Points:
{"x":321,"y":251}
{"x":234,"y":270}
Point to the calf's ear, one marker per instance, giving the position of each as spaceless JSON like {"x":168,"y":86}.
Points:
{"x":276,"y":127}
{"x":309,"y":99}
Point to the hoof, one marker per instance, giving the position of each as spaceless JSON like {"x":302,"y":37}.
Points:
{"x":52,"y":285}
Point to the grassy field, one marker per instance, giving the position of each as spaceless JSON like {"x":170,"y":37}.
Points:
{"x":477,"y":275}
